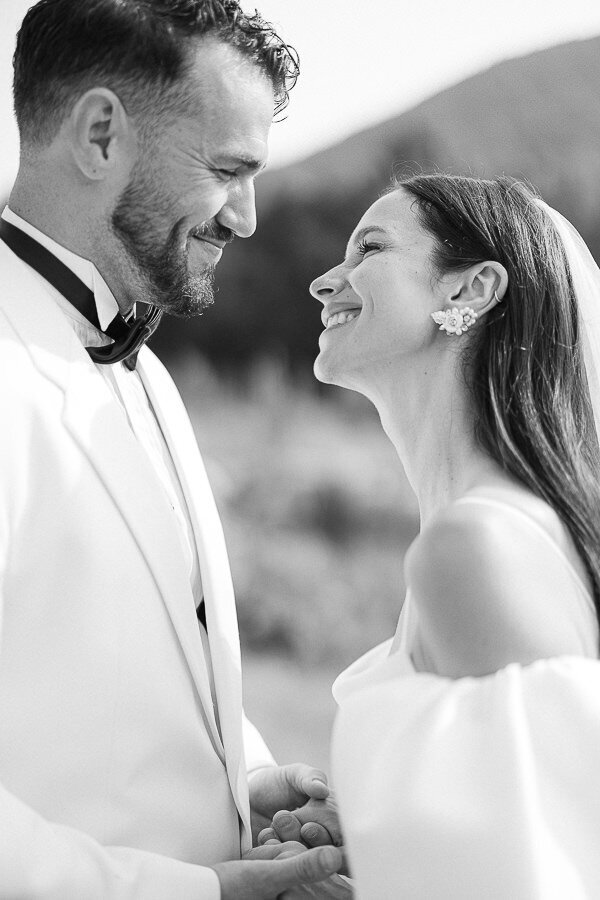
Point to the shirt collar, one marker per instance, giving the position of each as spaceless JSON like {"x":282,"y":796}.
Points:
{"x":85,"y":270}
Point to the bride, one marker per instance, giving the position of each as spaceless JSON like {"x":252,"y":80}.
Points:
{"x":466,"y":749}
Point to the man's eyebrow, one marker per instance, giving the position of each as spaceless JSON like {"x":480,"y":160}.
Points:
{"x":250,"y":163}
{"x":357,"y":238}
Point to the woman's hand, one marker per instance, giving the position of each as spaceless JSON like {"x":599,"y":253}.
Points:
{"x":315,"y":824}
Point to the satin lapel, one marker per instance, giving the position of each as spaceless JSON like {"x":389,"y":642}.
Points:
{"x":100,"y":428}
{"x":214,"y":567}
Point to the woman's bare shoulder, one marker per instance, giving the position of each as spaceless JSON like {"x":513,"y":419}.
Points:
{"x":492,"y":586}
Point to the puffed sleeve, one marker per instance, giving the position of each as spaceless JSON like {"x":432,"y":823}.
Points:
{"x":471,"y":788}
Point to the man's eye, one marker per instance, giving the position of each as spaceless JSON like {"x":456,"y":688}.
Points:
{"x":227,"y":173}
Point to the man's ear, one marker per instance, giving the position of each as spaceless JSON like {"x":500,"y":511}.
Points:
{"x":481,"y":287}
{"x":101,"y":133}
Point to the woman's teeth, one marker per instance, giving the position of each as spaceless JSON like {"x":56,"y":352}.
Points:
{"x":340,"y":319}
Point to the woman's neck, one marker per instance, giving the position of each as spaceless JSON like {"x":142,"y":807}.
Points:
{"x":428,"y":417}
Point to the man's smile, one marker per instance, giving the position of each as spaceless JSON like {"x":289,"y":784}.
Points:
{"x":210,"y":246}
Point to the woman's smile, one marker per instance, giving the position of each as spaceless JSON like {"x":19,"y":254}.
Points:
{"x":333,"y":317}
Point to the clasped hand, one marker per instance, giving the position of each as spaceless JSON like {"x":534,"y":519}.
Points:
{"x":315,"y":824}
{"x":293,"y":817}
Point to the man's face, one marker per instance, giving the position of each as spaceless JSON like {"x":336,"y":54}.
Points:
{"x":192,"y":187}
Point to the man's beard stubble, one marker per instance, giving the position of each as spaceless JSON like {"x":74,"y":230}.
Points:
{"x":163,"y":269}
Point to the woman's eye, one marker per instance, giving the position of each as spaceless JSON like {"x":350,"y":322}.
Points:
{"x":365,"y":247}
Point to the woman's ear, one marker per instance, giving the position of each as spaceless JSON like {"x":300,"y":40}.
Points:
{"x":101,"y":134}
{"x":481,"y":287}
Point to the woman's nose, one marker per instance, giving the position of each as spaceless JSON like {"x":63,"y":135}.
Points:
{"x":324,"y":286}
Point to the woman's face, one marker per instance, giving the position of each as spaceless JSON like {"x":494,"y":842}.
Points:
{"x":377,"y":302}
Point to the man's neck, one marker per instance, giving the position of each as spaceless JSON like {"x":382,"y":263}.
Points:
{"x":44,"y":207}
{"x":61,"y":224}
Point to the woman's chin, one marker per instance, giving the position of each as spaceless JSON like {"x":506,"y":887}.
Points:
{"x":331,"y":371}
{"x":324,"y":369}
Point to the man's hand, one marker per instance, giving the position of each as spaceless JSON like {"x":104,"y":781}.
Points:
{"x":283,"y":787}
{"x":287,"y":871}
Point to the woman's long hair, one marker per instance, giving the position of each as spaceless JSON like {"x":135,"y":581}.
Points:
{"x":524,"y":363}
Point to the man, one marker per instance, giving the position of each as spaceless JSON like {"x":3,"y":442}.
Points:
{"x":143,"y":125}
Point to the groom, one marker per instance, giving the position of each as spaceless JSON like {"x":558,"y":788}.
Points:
{"x":123,"y":749}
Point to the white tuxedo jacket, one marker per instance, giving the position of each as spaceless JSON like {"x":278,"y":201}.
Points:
{"x":116,"y":780}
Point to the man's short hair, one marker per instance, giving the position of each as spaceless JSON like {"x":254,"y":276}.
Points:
{"x":137,"y":48}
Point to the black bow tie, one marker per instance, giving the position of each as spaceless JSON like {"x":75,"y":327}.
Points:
{"x":128,"y":337}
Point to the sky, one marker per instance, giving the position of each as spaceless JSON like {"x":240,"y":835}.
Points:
{"x":363,"y":61}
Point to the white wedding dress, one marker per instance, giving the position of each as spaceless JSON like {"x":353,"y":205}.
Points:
{"x":483,"y":788}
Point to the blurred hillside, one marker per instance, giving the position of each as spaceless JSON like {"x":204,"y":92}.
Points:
{"x":537,"y":117}
{"x":315,"y":506}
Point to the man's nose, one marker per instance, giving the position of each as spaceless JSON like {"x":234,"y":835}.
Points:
{"x":239,"y":212}
{"x":332,"y":282}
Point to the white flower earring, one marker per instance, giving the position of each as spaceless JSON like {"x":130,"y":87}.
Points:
{"x":455,"y":321}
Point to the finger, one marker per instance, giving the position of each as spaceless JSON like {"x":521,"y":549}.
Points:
{"x":256,"y":877}
{"x":315,"y":835}
{"x":323,"y":813}
{"x":309,"y":781}
{"x":306,"y":868}
{"x":276,"y":850}
{"x":267,"y":834}
{"x":286,"y":826}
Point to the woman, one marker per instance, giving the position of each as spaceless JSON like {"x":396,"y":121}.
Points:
{"x":466,"y":749}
